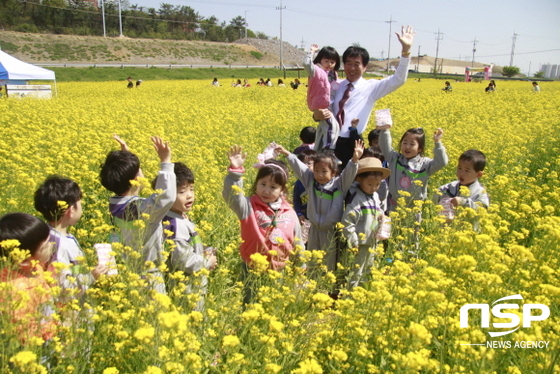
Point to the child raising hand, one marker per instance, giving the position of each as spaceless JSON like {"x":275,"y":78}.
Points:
{"x":326,"y":191}
{"x":269,"y":224}
{"x":409,"y":165}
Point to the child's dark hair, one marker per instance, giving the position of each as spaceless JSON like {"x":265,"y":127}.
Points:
{"x":183,"y":175}
{"x":373,"y":136}
{"x":119,"y":169}
{"x":278,"y":173}
{"x":477,"y":158}
{"x":306,"y":155}
{"x":355,"y":51}
{"x":54,"y":189}
{"x":307,"y":135}
{"x":29,"y":230}
{"x":373,"y":152}
{"x":328,"y":157}
{"x":328,"y":53}
{"x":420,"y":137}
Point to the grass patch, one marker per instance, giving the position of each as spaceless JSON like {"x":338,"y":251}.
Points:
{"x":9,"y":47}
{"x":256,"y":55}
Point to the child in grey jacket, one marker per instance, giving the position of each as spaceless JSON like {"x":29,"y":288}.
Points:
{"x":410,"y":170}
{"x":363,"y":214}
{"x":189,"y":254}
{"x":469,"y":169}
{"x":326,"y":192}
{"x":119,"y":169}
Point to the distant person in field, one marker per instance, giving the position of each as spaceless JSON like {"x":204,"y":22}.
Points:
{"x":281,"y":83}
{"x":246,"y":83}
{"x":307,"y":137}
{"x":236,"y":83}
{"x":295,"y":84}
{"x":469,"y":169}
{"x":138,"y":83}
{"x":215,"y":82}
{"x":491,"y":88}
{"x":447,"y":88}
{"x":268,"y":83}
{"x":261,"y":82}
{"x":321,"y":67}
{"x":356,"y":96}
{"x":536,"y":87}
{"x":121,"y":174}
{"x":130,"y":84}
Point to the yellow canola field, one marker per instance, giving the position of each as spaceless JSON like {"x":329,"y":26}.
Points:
{"x":406,"y":320}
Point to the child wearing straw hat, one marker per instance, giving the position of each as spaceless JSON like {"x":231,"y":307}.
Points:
{"x":363,"y":215}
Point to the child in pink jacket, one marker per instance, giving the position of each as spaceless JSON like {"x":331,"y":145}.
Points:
{"x":322,"y":82}
{"x":269,"y":224}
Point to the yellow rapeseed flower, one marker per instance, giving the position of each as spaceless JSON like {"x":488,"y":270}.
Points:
{"x":230,"y":341}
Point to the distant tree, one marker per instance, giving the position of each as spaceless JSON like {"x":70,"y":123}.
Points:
{"x":212,"y":30}
{"x":539,"y":74}
{"x":510,"y":71}
{"x":236,"y":28}
{"x":261,"y":35}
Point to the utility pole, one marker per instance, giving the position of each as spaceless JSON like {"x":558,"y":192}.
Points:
{"x":120,"y":20}
{"x":473,"y":51}
{"x":281,"y":49}
{"x":302,"y":44}
{"x":438,"y":38}
{"x":246,"y":24}
{"x":103,"y":18}
{"x":418,"y":61}
{"x":391,"y":20}
{"x":529,"y":71}
{"x":382,"y":52}
{"x":512,"y":48}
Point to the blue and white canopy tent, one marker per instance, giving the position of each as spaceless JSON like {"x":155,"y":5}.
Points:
{"x":14,"y":71}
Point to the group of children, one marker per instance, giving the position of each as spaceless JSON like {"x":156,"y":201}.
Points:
{"x":359,"y":197}
{"x":51,"y":247}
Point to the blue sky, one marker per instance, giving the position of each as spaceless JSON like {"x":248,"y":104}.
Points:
{"x":342,"y":23}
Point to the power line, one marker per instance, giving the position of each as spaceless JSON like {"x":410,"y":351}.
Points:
{"x":331,"y":16}
{"x":230,"y":4}
{"x":524,"y":53}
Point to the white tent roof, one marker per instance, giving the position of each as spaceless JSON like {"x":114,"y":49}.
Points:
{"x":12,"y":68}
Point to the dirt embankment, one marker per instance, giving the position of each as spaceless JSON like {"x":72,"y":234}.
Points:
{"x":49,"y":48}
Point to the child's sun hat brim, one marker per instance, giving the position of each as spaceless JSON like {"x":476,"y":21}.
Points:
{"x":372,"y":164}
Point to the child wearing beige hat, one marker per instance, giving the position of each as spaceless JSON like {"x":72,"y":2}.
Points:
{"x":363,"y":216}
